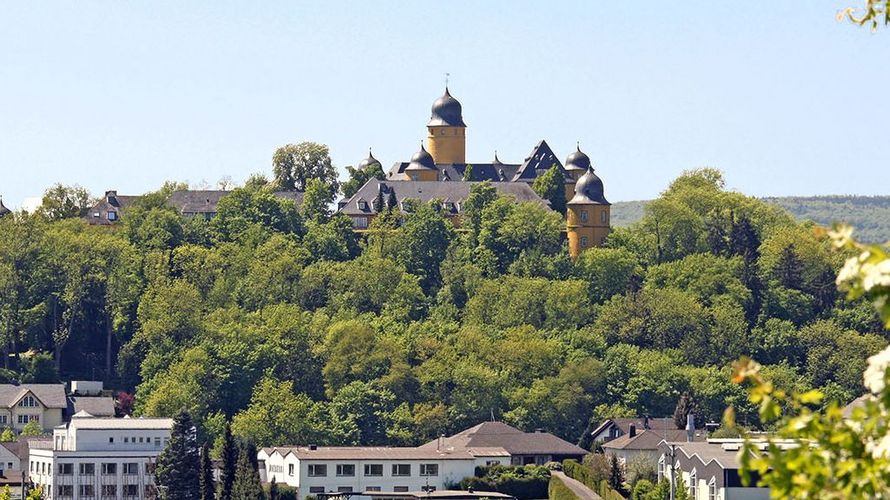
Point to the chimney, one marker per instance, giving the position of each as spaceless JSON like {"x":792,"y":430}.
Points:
{"x":646,"y":422}
{"x":633,"y":430}
{"x":540,"y":430}
{"x":690,"y":427}
{"x":313,"y":447}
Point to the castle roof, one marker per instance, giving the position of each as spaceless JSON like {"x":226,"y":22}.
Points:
{"x":3,"y":209}
{"x":446,"y":112}
{"x":578,"y":160}
{"x":589,"y":190}
{"x":421,"y":160}
{"x":367,"y":162}
{"x":452,"y":194}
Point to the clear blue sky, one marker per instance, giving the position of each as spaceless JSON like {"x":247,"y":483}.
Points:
{"x":124,"y":95}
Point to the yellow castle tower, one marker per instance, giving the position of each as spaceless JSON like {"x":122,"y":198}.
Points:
{"x":447,"y":140}
{"x":587,"y":214}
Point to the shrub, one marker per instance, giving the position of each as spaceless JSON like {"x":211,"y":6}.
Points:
{"x":557,"y":490}
{"x":640,"y":468}
{"x":522,"y":482}
{"x":642,"y":489}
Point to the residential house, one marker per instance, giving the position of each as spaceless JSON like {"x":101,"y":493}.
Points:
{"x":107,"y":211}
{"x":612,"y":428}
{"x":643,"y":444}
{"x":91,"y":457}
{"x":524,"y":448}
{"x":20,"y":404}
{"x":709,"y":469}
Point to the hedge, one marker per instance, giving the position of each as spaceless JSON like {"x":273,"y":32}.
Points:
{"x":578,"y":471}
{"x":523,"y":482}
{"x":557,"y":490}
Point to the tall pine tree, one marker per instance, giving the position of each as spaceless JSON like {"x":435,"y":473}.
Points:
{"x":208,"y":491}
{"x":178,"y":469}
{"x":229,"y":464}
{"x":273,"y":490}
{"x":247,"y":478}
{"x":789,"y":270}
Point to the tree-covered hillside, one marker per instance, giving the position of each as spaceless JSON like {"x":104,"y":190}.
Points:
{"x":870,"y":215}
{"x":285,"y":321}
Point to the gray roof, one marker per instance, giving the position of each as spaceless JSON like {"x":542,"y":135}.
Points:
{"x":421,"y":160}
{"x":369,"y":453}
{"x":97,"y":406}
{"x":446,"y":112}
{"x":589,"y":190}
{"x":856,"y":403}
{"x":641,"y":423}
{"x":514,"y":441}
{"x":539,"y":161}
{"x":111,"y":202}
{"x":450,"y":192}
{"x":367,"y":162}
{"x":578,"y":160}
{"x":3,"y":209}
{"x":205,"y":202}
{"x":705,"y":453}
{"x":648,"y":440}
{"x":50,"y":395}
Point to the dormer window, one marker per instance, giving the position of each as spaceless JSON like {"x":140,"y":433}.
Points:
{"x":28,"y":402}
{"x":362,"y":205}
{"x":112,"y":215}
{"x":449,"y":206}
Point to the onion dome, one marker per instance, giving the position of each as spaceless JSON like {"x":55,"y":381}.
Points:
{"x":577,"y":160}
{"x":3,"y":209}
{"x":421,"y":161}
{"x":447,"y":112}
{"x":367,"y":162}
{"x":496,"y":161}
{"x":589,"y":190}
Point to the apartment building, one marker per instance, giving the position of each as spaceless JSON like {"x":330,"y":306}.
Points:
{"x":100,"y":458}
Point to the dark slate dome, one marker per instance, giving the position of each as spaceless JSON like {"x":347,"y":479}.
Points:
{"x":447,"y":112}
{"x":367,"y":162}
{"x":589,"y":190}
{"x":3,"y":209}
{"x":578,"y":160}
{"x":421,"y":161}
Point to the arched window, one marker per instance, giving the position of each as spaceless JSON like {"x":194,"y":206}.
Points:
{"x":693,"y":484}
{"x":712,"y":489}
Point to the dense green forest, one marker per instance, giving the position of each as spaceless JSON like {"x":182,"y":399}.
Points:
{"x":286,"y":321}
{"x":870,"y":215}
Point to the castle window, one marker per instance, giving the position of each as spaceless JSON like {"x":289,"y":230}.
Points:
{"x":604,"y":216}
{"x":584,"y":242}
{"x":583,"y":215}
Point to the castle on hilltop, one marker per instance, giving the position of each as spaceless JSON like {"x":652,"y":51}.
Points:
{"x":440,"y":171}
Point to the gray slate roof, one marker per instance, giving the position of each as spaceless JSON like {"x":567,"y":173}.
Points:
{"x":50,"y":395}
{"x":97,"y":406}
{"x":624,"y":424}
{"x":453,"y":192}
{"x":511,"y":439}
{"x":648,"y":440}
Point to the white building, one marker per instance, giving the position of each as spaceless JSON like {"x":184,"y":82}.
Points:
{"x":100,"y":458}
{"x":434,"y":466}
{"x":355,"y":469}
{"x":710,"y":470}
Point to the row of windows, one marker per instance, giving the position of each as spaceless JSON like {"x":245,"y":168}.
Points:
{"x":141,"y":440}
{"x":348,"y":489}
{"x":108,"y":490}
{"x":89,"y":469}
{"x":585,"y":241}
{"x":22,"y":419}
{"x":604,"y":216}
{"x":29,"y":402}
{"x":110,"y":215}
{"x":371,"y":470}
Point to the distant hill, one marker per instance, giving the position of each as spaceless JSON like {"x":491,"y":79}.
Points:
{"x":870,"y":215}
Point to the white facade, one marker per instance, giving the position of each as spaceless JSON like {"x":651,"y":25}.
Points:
{"x":368,"y":470}
{"x":100,"y":458}
{"x":87,"y":387}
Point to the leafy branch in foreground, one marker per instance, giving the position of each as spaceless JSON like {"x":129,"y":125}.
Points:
{"x":827,"y":454}
{"x":872,"y":14}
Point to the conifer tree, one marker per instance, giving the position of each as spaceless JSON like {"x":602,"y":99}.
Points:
{"x":684,"y":407}
{"x":229,"y":464}
{"x":178,"y":468}
{"x":789,"y":270}
{"x":469,"y":174}
{"x":391,"y":202}
{"x":208,"y":492}
{"x":247,"y":478}
{"x":273,"y":490}
{"x":379,"y":203}
{"x":616,"y":474}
